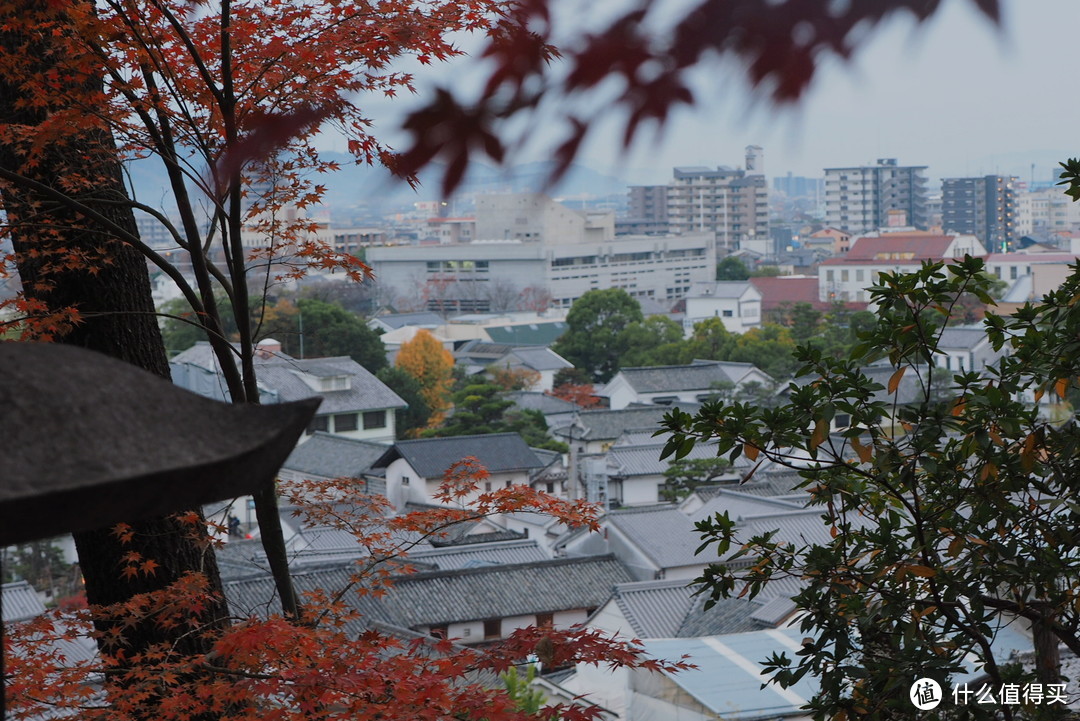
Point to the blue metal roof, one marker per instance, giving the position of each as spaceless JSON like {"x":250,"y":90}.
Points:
{"x":728,"y":677}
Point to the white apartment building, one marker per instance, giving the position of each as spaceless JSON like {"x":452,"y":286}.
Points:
{"x":734,"y":204}
{"x":528,"y":241}
{"x":858,"y":199}
{"x":1042,"y":212}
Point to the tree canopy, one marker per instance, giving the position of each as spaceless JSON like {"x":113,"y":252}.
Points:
{"x":432,"y":366}
{"x":948,"y":512}
{"x":593,"y":340}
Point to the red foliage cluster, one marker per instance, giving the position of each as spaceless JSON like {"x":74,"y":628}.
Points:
{"x":270,"y":668}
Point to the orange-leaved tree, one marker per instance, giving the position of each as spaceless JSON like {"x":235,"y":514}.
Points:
{"x":337,"y":663}
{"x":424,"y":358}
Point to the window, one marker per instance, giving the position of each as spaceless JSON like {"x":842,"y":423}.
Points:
{"x":492,"y":628}
{"x":319,"y":423}
{"x":344,"y":422}
{"x":374,"y":419}
{"x":405,"y":480}
{"x":545,"y":619}
{"x":728,"y":313}
{"x":549,"y":488}
{"x":439,"y":631}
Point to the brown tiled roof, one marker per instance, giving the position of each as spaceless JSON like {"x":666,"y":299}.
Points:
{"x":924,"y":247}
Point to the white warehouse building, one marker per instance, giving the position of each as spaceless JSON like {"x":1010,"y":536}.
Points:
{"x":528,"y":241}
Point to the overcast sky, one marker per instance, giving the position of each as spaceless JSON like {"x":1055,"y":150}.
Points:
{"x":957,"y":94}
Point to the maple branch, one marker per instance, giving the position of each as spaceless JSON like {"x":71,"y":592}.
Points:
{"x":193,"y":52}
{"x":118,"y":231}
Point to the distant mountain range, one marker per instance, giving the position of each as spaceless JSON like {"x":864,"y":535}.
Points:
{"x":357,"y":190}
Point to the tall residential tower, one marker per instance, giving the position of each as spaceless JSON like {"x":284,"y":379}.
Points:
{"x":984,"y":207}
{"x":862,"y":199}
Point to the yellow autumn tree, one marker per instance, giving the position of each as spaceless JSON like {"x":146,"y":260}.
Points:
{"x":432,"y":366}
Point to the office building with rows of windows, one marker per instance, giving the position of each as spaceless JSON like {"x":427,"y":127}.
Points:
{"x":528,"y":244}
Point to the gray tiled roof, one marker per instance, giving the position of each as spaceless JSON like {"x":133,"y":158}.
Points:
{"x":20,"y":602}
{"x":681,"y":378}
{"x":654,"y":609}
{"x":765,"y":483}
{"x":332,"y":456}
{"x":546,"y":404}
{"x":541,"y":359}
{"x":644,"y":460}
{"x":366,"y":392}
{"x":663,"y":533}
{"x":962,"y":337}
{"x":501,"y":591}
{"x":741,"y":505}
{"x":469,"y":594}
{"x":279,"y":375}
{"x":480,"y":554}
{"x":602,"y":425}
{"x":719,"y":289}
{"x":497,"y":452}
{"x":729,"y":615}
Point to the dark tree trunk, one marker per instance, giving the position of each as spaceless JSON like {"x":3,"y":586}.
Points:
{"x":68,"y":258}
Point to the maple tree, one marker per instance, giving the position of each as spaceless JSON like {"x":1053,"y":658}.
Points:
{"x":425,"y":359}
{"x":321,"y":668}
{"x":581,"y":394}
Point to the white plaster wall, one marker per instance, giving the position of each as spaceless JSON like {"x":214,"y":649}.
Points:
{"x":566,"y":619}
{"x":512,"y":623}
{"x":641,"y":490}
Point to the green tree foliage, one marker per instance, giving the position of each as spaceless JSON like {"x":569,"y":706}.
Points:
{"x":330,"y":330}
{"x":655,"y":341}
{"x":732,"y":268}
{"x":765,"y":271}
{"x":945,"y":517}
{"x":805,"y":322}
{"x":415,"y":416}
{"x":481,"y":408}
{"x":708,"y":341}
{"x":180,"y":329}
{"x":595,"y":324}
{"x":686,"y":474}
{"x":519,"y":688}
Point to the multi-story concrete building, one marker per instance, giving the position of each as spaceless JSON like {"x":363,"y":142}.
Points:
{"x":858,"y":199}
{"x":1043,"y":212}
{"x":528,"y":241}
{"x":733,"y":204}
{"x":984,"y":207}
{"x":648,"y":211}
